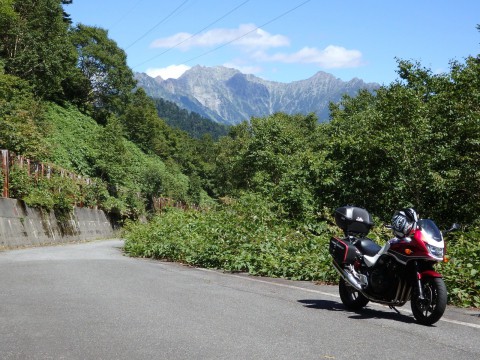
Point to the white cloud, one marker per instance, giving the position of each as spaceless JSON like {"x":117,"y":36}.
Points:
{"x":257,"y":43}
{"x":258,"y":38}
{"x":330,"y":57}
{"x":246,"y":35}
{"x":172,"y":71}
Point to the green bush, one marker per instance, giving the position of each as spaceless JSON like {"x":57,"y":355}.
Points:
{"x":57,"y":192}
{"x":73,"y":135}
{"x":247,"y":235}
{"x":95,"y":193}
{"x":243,"y":236}
{"x":40,"y":196}
{"x":23,"y":128}
{"x":20,"y":183}
{"x":462,"y":271}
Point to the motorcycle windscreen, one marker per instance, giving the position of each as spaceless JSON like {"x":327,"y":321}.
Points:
{"x":430,"y":229}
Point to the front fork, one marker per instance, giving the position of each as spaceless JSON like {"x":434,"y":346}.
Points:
{"x":423,"y":272}
{"x":419,"y":282}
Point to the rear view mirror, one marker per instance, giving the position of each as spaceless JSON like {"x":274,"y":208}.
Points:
{"x":454,"y":227}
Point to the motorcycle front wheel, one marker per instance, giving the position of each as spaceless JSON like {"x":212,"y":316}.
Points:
{"x":429,"y":310}
{"x":351,"y":298}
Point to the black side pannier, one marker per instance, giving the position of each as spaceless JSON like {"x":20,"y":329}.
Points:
{"x":353,"y":220}
{"x":342,"y":251}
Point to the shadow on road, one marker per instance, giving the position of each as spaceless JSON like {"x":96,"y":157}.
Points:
{"x":366,"y":313}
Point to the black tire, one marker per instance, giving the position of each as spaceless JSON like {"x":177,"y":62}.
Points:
{"x":351,"y":298}
{"x":431,"y":309}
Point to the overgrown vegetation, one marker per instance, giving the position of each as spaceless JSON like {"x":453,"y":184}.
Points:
{"x":242,"y":235}
{"x":415,"y":143}
{"x":247,"y":235}
{"x":461,"y":273}
{"x":68,"y":98}
{"x":133,"y":178}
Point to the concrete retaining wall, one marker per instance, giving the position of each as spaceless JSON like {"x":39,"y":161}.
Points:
{"x":21,"y":225}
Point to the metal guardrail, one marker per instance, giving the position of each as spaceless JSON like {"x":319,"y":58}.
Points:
{"x":5,"y":172}
{"x":39,"y":170}
{"x":34,"y":169}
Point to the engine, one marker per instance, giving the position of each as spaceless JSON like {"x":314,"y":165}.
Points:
{"x":382,"y":279}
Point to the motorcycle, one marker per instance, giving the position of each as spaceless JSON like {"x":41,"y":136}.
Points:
{"x":401,"y":270}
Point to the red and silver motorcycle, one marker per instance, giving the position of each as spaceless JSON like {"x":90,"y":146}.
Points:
{"x":401,"y":270}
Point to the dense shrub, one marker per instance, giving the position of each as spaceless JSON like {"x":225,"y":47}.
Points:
{"x":246,"y":235}
{"x":243,"y":236}
{"x":22,"y":118}
{"x":462,"y":271}
{"x":55,"y":192}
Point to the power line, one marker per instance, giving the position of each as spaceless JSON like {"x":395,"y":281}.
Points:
{"x":157,"y":24}
{"x":191,"y":36}
{"x":124,"y":15}
{"x":249,"y":32}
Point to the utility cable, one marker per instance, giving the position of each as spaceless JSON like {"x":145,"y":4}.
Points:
{"x":193,"y":35}
{"x":247,"y":33}
{"x":124,"y":15}
{"x":157,"y":24}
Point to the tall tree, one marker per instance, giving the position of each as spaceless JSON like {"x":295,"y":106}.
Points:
{"x":104,"y":65}
{"x":413,"y":143}
{"x":35,"y":44}
{"x":22,"y":125}
{"x":142,"y":124}
{"x":279,"y":157}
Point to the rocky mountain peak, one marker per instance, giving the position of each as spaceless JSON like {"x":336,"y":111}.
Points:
{"x":228,"y":96}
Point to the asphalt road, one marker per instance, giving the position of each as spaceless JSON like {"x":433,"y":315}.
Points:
{"x":89,"y":301}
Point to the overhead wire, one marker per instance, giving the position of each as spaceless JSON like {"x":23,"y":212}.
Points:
{"x":247,"y":33}
{"x":193,"y":35}
{"x":124,"y":15}
{"x":157,"y":24}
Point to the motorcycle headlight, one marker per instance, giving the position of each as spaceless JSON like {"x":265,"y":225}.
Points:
{"x":435,"y":251}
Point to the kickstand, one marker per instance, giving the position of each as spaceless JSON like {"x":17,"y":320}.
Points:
{"x":394,"y":308}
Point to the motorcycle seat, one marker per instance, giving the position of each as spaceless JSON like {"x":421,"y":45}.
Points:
{"x":367,"y":247}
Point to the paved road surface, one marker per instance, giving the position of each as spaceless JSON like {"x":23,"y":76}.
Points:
{"x":89,"y":301}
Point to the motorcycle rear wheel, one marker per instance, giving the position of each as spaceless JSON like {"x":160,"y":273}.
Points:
{"x":351,"y":298}
{"x":431,"y":309}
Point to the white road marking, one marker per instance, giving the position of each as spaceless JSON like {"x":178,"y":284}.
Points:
{"x":293,"y":287}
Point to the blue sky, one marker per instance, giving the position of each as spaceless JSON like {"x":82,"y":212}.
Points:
{"x":287,"y":40}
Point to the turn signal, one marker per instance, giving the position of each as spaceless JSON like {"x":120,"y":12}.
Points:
{"x":408,"y":252}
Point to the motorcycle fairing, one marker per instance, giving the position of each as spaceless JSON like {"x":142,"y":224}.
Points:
{"x":429,"y":273}
{"x":403,"y":259}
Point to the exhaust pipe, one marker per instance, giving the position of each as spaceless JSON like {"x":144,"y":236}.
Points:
{"x":401,"y":297}
{"x":348,"y":277}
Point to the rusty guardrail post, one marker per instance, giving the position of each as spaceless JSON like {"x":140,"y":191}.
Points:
{"x":5,"y":172}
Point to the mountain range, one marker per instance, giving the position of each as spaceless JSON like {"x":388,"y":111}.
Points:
{"x":228,"y":96}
